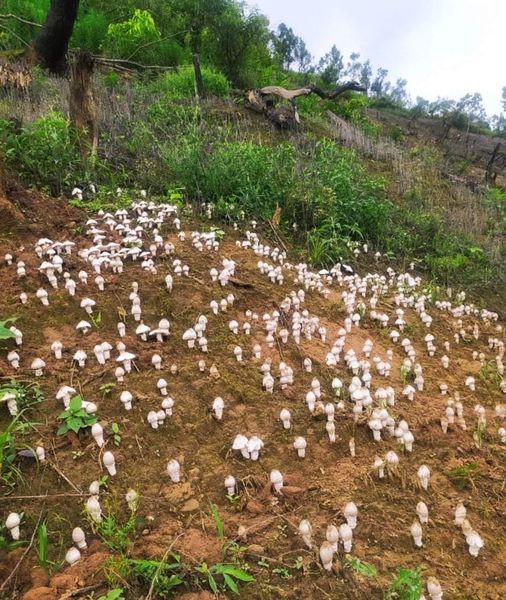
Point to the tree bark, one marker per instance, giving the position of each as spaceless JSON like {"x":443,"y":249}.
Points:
{"x":52,"y":42}
{"x":201,"y":90}
{"x":82,"y":106}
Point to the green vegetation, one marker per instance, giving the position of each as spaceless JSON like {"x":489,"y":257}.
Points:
{"x":407,"y":585}
{"x":5,"y":332}
{"x":462,"y":476}
{"x":75,"y":417}
{"x":9,"y":447}
{"x":42,"y":545}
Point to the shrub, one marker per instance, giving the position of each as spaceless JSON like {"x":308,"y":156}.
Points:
{"x":44,"y":154}
{"x":180,"y":84}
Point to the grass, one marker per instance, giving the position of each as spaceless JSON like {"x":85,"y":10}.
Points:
{"x":407,"y":585}
{"x":462,"y":476}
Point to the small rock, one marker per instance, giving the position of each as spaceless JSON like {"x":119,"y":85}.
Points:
{"x":255,"y":549}
{"x":190,"y":505}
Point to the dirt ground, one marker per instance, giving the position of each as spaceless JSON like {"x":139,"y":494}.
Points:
{"x":178,"y":516}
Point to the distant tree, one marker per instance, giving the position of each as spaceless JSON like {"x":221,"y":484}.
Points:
{"x":504,"y":98}
{"x":399,"y":93}
{"x":302,"y":56}
{"x":366,"y":74}
{"x":353,"y":67}
{"x":380,"y":86}
{"x":52,"y":42}
{"x":330,"y":66}
{"x":471,"y":105}
{"x":284,"y":43}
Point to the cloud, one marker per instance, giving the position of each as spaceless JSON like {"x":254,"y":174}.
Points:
{"x":442,"y":47}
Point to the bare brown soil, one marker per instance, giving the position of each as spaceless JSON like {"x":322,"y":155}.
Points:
{"x":317,"y":487}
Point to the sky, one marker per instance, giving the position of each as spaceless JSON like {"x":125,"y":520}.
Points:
{"x":443,"y":48}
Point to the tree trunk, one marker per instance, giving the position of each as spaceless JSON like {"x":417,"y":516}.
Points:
{"x":201,"y":90}
{"x":82,"y":106}
{"x":52,"y":43}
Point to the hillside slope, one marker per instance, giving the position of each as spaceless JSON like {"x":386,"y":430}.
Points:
{"x":270,"y":293}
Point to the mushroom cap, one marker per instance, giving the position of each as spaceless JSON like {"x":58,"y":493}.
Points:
{"x":77,"y":535}
{"x":142,"y":329}
{"x":108,"y":459}
{"x":80,"y":355}
{"x":126,"y":396}
{"x":65,"y":390}
{"x":255,"y":444}
{"x":276,"y":476}
{"x":300,"y":443}
{"x":56,"y":345}
{"x":229,"y":481}
{"x":97,"y":430}
{"x":305,"y":527}
{"x":13,"y":520}
{"x":125,"y":356}
{"x":38,"y":363}
{"x":240,"y":442}
{"x":350,"y":510}
{"x":189,"y":334}
{"x":161,"y":383}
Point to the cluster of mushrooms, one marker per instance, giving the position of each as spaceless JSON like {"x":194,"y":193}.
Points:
{"x":359,"y":388}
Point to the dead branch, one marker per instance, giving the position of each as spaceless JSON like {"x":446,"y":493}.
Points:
{"x":20,"y":19}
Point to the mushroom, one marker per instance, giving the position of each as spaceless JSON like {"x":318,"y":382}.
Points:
{"x":56,"y":348}
{"x":126,"y":399}
{"x":97,"y":432}
{"x":38,"y":366}
{"x":72,"y":556}
{"x":300,"y":445}
{"x":416,"y":533}
{"x":346,"y":535}
{"x":174,"y":470}
{"x":12,"y":523}
{"x":474,"y":542}
{"x":276,"y":480}
{"x":285,"y":416}
{"x":42,"y":296}
{"x":350,"y":514}
{"x":78,"y":537}
{"x":126,"y":358}
{"x":424,"y":476}
{"x":88,"y":304}
{"x":161,"y":384}
{"x":460,"y":514}
{"x":434,"y":589}
{"x":241,"y":443}
{"x":93,"y":507}
{"x":423,"y":512}
{"x":332,"y":535}
{"x":190,"y":336}
{"x":230,"y":485}
{"x":156,"y":361}
{"x":305,"y":531}
{"x":255,"y":444}
{"x":218,"y":406}
{"x":168,"y":405}
{"x":80,"y":358}
{"x":109,"y":462}
{"x":326,"y":555}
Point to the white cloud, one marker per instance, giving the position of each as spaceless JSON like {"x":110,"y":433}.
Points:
{"x":442,"y":47}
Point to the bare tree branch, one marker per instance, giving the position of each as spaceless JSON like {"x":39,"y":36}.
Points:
{"x":148,"y":44}
{"x":20,"y":19}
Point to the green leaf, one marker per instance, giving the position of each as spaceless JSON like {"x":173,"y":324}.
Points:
{"x":75,"y":403}
{"x":62,"y":430}
{"x":231,"y":583}
{"x":237,"y":573}
{"x":74,"y":423}
{"x":212,"y":583}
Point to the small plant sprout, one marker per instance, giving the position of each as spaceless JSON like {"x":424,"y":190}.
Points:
{"x":346,"y":535}
{"x":460,"y":514}
{"x":285,"y":417}
{"x":218,"y":406}
{"x":434,"y":589}
{"x":56,"y":348}
{"x":97,"y":432}
{"x":300,"y":445}
{"x":326,"y":555}
{"x":305,"y":532}
{"x":424,"y":476}
{"x":423,"y":512}
{"x":416,"y":533}
{"x":72,"y":556}
{"x":12,"y":523}
{"x":174,"y":470}
{"x":109,"y":462}
{"x":79,"y":538}
{"x":38,"y":366}
{"x":276,"y":481}
{"x":350,"y":514}
{"x":474,"y":542}
{"x":230,"y":485}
